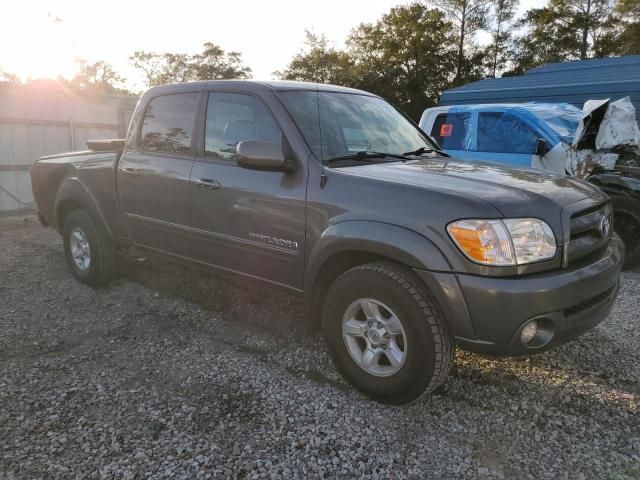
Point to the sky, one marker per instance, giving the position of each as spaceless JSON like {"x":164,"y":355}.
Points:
{"x":41,"y":38}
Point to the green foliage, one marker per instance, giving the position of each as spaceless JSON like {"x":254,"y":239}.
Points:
{"x":99,"y":77}
{"x":501,"y":16}
{"x":467,"y":17}
{"x":628,"y":12}
{"x":407,"y":57}
{"x":319,"y":62}
{"x":414,"y":52}
{"x":566,"y":30}
{"x":212,"y":64}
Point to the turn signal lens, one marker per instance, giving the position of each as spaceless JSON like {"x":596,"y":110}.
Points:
{"x":483,"y":241}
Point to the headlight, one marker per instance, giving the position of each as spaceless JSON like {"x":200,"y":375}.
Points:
{"x":504,"y":242}
{"x":533,"y":240}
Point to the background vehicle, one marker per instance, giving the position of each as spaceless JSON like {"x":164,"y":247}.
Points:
{"x":543,"y":135}
{"x":400,"y":252}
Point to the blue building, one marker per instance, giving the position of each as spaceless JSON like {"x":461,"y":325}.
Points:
{"x":570,"y":82}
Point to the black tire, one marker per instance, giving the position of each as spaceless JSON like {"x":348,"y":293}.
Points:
{"x":626,"y":223}
{"x":429,"y":346}
{"x":102,"y":252}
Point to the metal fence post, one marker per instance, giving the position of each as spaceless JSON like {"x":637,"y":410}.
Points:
{"x":72,"y":135}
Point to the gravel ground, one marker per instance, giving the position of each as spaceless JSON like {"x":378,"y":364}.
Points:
{"x":168,"y":373}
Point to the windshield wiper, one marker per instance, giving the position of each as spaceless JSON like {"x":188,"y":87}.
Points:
{"x":366,"y":155}
{"x":422,"y":150}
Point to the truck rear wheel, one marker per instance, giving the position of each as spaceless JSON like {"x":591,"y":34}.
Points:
{"x":385,"y":335}
{"x":626,"y":223}
{"x":89,"y":250}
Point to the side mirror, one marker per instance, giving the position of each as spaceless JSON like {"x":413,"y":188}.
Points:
{"x":541,"y":147}
{"x":261,"y":155}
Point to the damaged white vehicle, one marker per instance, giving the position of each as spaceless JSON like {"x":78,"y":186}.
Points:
{"x":600,"y":143}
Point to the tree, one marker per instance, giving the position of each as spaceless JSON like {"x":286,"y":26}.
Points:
{"x":407,"y":56}
{"x":319,"y":62}
{"x":8,"y":77}
{"x":99,"y":76}
{"x":501,"y":15}
{"x":468,"y":17}
{"x":149,"y":63}
{"x":212,"y":64}
{"x":628,"y":11}
{"x":565,"y":30}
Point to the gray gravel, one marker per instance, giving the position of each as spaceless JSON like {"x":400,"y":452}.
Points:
{"x":168,"y":373}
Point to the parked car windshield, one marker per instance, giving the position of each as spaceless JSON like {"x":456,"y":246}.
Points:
{"x":341,"y":124}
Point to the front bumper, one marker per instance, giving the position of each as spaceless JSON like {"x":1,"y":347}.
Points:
{"x":487,"y":315}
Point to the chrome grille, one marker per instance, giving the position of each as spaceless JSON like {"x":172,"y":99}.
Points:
{"x":589,"y":232}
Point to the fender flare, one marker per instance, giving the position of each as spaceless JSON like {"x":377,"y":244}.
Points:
{"x":73,"y":189}
{"x":396,"y":243}
{"x":392,"y":241}
{"x":614,"y":184}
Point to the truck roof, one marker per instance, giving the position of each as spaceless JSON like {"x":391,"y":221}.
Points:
{"x":253,"y":84}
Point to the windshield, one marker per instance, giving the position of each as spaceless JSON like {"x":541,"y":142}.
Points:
{"x":340,"y":124}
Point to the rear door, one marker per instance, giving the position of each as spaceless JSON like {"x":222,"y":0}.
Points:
{"x":452,"y":131}
{"x":153,"y":177}
{"x":247,"y":221}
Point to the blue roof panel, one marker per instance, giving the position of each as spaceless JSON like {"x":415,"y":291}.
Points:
{"x":569,"y":82}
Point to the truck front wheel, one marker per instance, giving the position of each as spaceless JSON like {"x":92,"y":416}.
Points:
{"x":626,"y":223}
{"x":385,"y":335}
{"x":89,"y":250}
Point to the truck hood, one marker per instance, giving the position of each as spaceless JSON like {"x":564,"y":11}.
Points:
{"x":515,"y":192}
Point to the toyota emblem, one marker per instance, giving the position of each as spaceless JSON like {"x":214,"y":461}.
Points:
{"x":605,"y":225}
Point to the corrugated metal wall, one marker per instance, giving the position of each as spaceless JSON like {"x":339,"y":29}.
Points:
{"x":570,"y":82}
{"x":35,"y":123}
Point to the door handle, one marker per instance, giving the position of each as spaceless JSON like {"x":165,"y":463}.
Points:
{"x":129,"y":171}
{"x":207,"y":183}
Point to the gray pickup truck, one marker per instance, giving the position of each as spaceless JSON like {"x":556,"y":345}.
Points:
{"x":400,"y":252}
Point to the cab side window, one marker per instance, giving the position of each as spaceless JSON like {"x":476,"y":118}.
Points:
{"x":503,"y":132}
{"x":234,"y":117}
{"x":451,"y":131}
{"x":168,"y":124}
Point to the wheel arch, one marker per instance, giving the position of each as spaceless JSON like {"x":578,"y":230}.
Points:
{"x":352,"y":243}
{"x":73,"y":195}
{"x":614,"y":184}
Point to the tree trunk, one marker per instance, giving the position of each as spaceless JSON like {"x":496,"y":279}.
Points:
{"x":584,"y":45}
{"x":461,"y":42}
{"x":495,"y":50}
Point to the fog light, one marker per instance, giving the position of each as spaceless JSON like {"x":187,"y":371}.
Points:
{"x":529,"y":332}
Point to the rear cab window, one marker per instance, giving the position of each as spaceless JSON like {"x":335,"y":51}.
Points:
{"x":452,"y":130}
{"x":168,"y":124}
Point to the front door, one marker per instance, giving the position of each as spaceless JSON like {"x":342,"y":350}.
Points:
{"x":504,"y":137}
{"x":153,"y":177}
{"x":246,"y":221}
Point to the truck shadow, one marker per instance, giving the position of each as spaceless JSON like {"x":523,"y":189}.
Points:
{"x":233,"y":297}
